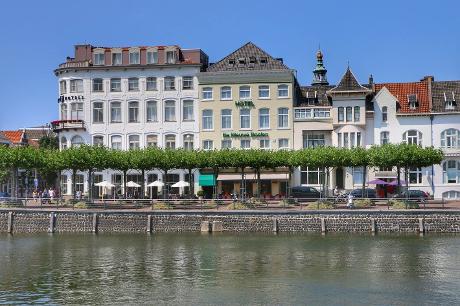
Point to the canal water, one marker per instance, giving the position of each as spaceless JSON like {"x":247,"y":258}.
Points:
{"x":198,"y":269}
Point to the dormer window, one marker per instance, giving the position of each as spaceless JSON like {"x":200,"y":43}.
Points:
{"x":263,"y":60}
{"x":252,"y":60}
{"x":449,"y":101}
{"x":231,"y":61}
{"x":134,"y":58}
{"x":241,"y":61}
{"x":413,"y":103}
{"x":99,"y":59}
{"x":170,"y":57}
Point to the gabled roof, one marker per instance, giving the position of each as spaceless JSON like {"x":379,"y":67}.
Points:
{"x":401,"y":91}
{"x":254,"y":59}
{"x":36,"y":133}
{"x":445,"y":90}
{"x":349,"y":83}
{"x":4,"y":139}
{"x":15,"y":137}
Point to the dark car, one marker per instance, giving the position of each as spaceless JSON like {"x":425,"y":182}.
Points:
{"x":368,"y":193}
{"x":304,"y":192}
{"x":4,"y":196}
{"x":418,"y":195}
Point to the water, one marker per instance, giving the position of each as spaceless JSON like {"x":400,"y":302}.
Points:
{"x":230,"y":269}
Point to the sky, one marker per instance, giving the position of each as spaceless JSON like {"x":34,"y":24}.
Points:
{"x":395,"y":41}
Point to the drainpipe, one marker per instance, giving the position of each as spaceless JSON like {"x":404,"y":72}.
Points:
{"x":432,"y":166}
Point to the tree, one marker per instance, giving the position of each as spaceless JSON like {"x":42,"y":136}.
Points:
{"x":48,"y":142}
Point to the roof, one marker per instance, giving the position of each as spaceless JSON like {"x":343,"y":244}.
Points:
{"x":3,"y":139}
{"x":314,"y":95}
{"x":349,"y":83}
{"x":401,"y":91}
{"x":246,"y":58}
{"x":14,"y":137}
{"x":36,"y":134}
{"x":444,"y":91}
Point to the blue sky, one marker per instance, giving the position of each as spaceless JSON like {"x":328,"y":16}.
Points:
{"x":393,"y":40}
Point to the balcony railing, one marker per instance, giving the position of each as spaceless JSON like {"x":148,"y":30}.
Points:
{"x":78,"y":64}
{"x":312,"y":113}
{"x":60,"y":125}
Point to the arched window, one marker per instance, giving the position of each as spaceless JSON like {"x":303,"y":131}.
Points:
{"x":133,"y":112}
{"x":151,"y":112}
{"x":451,"y":172}
{"x":115,"y":141}
{"x":413,"y":137}
{"x":384,"y":114}
{"x":207,"y":93}
{"x":451,"y":195}
{"x":76,"y":141}
{"x":188,"y":142}
{"x":283,"y":117}
{"x":264,"y":118}
{"x":133,"y":142}
{"x":170,"y":141}
{"x":384,"y":137}
{"x":207,"y":119}
{"x":450,"y":139}
{"x":63,"y":143}
{"x":170,"y":111}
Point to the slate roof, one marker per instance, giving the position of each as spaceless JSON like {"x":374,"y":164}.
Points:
{"x":249,"y":57}
{"x":36,"y":133}
{"x":442,"y":91}
{"x":314,"y":95}
{"x":402,"y":91}
{"x":349,"y":83}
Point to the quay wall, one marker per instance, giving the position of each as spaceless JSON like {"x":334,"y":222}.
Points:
{"x":36,"y":221}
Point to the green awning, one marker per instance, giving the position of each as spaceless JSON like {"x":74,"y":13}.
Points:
{"x":207,"y":180}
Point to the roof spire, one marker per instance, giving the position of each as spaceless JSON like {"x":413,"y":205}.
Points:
{"x":319,"y":73}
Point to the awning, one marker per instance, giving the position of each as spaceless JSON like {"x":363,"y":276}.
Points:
{"x":385,"y":174}
{"x":252,"y":176}
{"x":207,"y":180}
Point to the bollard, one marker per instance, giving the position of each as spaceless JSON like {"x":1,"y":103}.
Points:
{"x":217,"y":226}
{"x":52,"y":223}
{"x":275,"y":225}
{"x":421,"y":226}
{"x":373,"y":227}
{"x":205,"y":226}
{"x":95,"y":223}
{"x":149,"y":223}
{"x":10,"y":222}
{"x":323,"y":225}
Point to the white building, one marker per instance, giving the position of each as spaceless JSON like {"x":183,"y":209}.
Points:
{"x":126,"y":98}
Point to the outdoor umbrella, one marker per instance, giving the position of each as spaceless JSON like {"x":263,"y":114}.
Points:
{"x":395,"y":183}
{"x":132,"y":184}
{"x":377,"y":182}
{"x":156,"y":184}
{"x":181,"y":184}
{"x":105,"y":185}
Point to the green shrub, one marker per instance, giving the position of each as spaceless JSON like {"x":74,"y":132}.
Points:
{"x":200,"y":193}
{"x":363,"y":203}
{"x":287,"y":202}
{"x":80,"y":205}
{"x":320,"y":205}
{"x":396,"y":204}
{"x":161,"y":206}
{"x":237,"y":206}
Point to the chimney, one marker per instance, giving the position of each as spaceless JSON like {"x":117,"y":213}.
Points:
{"x":428,"y":78}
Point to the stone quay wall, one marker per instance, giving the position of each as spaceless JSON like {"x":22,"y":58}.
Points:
{"x":36,"y":221}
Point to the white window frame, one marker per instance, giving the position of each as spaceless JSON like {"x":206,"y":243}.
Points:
{"x":152,"y":57}
{"x":187,"y":82}
{"x":99,"y":59}
{"x":225,"y":118}
{"x":450,"y":135}
{"x":264,"y":144}
{"x":207,"y":120}
{"x":410,"y":138}
{"x":245,"y":141}
{"x":384,"y":137}
{"x":148,"y":141}
{"x":170,"y":116}
{"x":226,"y":141}
{"x":117,"y":58}
{"x":418,"y":172}
{"x":119,"y":145}
{"x":98,"y":112}
{"x":151,"y":84}
{"x":244,"y":89}
{"x":206,"y":93}
{"x":120,"y":112}
{"x":133,"y":143}
{"x":208,"y":145}
{"x":133,"y":84}
{"x":134,"y":57}
{"x":76,"y":86}
{"x":454,"y":173}
{"x":133,"y":111}
{"x":188,"y":115}
{"x":283,"y":143}
{"x":264,"y":118}
{"x":264,"y":89}
{"x":280,"y":116}
{"x":151,"y":113}
{"x":169,"y":83}
{"x":225,"y":89}
{"x":246,"y":118}
{"x":188,"y":141}
{"x":115,"y":81}
{"x":283,"y":88}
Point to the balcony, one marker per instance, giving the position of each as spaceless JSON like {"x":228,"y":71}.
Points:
{"x":60,"y":125}
{"x":76,"y":64}
{"x":313,"y":114}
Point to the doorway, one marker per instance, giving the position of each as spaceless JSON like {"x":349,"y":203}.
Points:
{"x":339,"y":178}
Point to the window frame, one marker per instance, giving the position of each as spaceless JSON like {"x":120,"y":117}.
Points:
{"x":149,"y":113}
{"x":133,"y":112}
{"x":206,"y":93}
{"x":264,"y":118}
{"x":265,"y":88}
{"x":280,"y":116}
{"x":169,"y":83}
{"x":173,"y":113}
{"x":244,"y":88}
{"x":190,"y":115}
{"x":222,"y":91}
{"x":148,"y":84}
{"x":245,"y":118}
{"x":98,"y":112}
{"x":207,"y":120}
{"x":133,"y":84}
{"x":120,"y":112}
{"x":285,"y":88}
{"x":114,"y":81}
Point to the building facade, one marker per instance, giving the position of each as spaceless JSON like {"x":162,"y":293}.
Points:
{"x":128,"y":98}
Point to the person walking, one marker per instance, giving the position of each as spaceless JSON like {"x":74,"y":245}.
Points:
{"x":350,"y":201}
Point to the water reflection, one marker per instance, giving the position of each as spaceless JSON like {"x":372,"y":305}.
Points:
{"x":229,"y":269}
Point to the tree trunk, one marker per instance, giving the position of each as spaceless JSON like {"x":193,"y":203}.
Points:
{"x":90,"y":185}
{"x":190,"y":185}
{"x":398,"y":188}
{"x":124,"y":183}
{"x":164,"y":183}
{"x":74,"y":183}
{"x":258,"y":183}
{"x":364,"y":179}
{"x":288,"y":189}
{"x":14,"y":185}
{"x":242,"y":187}
{"x":143,"y":184}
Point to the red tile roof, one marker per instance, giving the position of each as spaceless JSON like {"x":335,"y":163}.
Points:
{"x":13,"y":136}
{"x":402,"y":90}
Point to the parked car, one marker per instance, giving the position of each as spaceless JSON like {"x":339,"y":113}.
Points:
{"x":4,"y":196}
{"x":368,"y":193}
{"x":418,"y":195}
{"x":305,"y":193}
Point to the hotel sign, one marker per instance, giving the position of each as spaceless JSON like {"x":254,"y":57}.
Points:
{"x":70,"y":98}
{"x":244,"y":134}
{"x":244,"y":104}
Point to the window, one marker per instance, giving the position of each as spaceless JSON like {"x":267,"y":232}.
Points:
{"x":63,"y":143}
{"x":187,"y":110}
{"x":321,"y":113}
{"x":384,"y":114}
{"x":76,"y":141}
{"x":63,"y":184}
{"x":451,"y":195}
{"x":63,"y":87}
{"x":170,"y":141}
{"x":133,"y":84}
{"x":76,"y":111}
{"x":115,"y":112}
{"x":349,"y":113}
{"x":226,"y":118}
{"x":358,"y":175}
{"x":415,"y":175}
{"x":451,"y":172}
{"x":207,"y":93}
{"x":99,"y":59}
{"x":63,"y":111}
{"x":313,"y":140}
{"x":170,"y":83}
{"x":357,"y":113}
{"x":98,"y":85}
{"x":311,"y":176}
{"x":450,"y":139}
{"x":345,"y":140}
{"x":352,"y":139}
{"x":283,"y":118}
{"x":339,"y":140}
{"x":133,"y":112}
{"x":115,"y":84}
{"x":188,"y":142}
{"x":358,"y":139}
{"x":151,"y":111}
{"x":226,"y":144}
{"x":133,"y":142}
{"x":226,"y":93}
{"x":341,"y":114}
{"x":134,"y":58}
{"x":245,"y":143}
{"x":245,"y":92}
{"x":116,"y":59}
{"x":79,"y":182}
{"x":264,"y":118}
{"x":151,"y":84}
{"x":115,"y":142}
{"x":208,"y":145}
{"x":170,"y":111}
{"x":413,"y":103}
{"x":384,"y":138}
{"x":187,"y":82}
{"x":170,"y":57}
{"x":152,"y":57}
{"x":98,"y":141}
{"x":264,"y":92}
{"x":76,"y":86}
{"x":98,"y":112}
{"x":152,"y":141}
{"x":283,"y":91}
{"x":207,"y":119}
{"x":450,"y":102}
{"x":283,"y":143}
{"x":245,"y":118}
{"x":263,"y":60}
{"x":264,"y":144}
{"x":413,"y":137}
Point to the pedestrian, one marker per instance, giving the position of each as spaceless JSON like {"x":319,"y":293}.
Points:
{"x":350,"y":201}
{"x":51,"y":193}
{"x":35,"y":195}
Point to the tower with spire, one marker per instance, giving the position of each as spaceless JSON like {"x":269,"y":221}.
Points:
{"x":319,"y":73}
